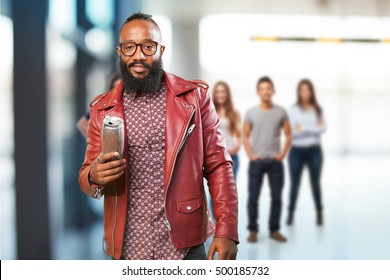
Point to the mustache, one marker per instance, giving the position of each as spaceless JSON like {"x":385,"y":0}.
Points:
{"x":137,"y":63}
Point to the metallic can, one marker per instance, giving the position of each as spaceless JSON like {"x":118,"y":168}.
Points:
{"x":113,"y":135}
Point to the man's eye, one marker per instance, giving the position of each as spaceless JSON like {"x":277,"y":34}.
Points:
{"x":148,"y":47}
{"x":129,"y":47}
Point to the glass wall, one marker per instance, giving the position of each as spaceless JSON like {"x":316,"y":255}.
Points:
{"x":7,"y":176}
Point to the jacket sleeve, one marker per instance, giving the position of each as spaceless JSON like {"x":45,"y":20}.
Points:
{"x":92,"y":152}
{"x":218,"y":172}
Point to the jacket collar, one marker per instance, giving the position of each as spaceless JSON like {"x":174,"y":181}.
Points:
{"x":175,"y":85}
{"x":112,"y":98}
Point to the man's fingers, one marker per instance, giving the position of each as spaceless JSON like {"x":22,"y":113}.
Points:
{"x":112,"y":171}
{"x":231,"y":255}
{"x":108,"y":157}
{"x":222,"y":255}
{"x":211,"y":252}
{"x":111,"y":178}
{"x":111,"y":165}
{"x":105,"y":170}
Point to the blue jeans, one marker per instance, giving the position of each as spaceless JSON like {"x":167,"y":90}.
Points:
{"x":197,"y":252}
{"x":236,"y":165}
{"x":257,"y":170}
{"x":297,"y":159}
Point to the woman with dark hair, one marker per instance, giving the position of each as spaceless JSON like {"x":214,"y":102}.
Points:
{"x":229,"y":120}
{"x":307,"y":122}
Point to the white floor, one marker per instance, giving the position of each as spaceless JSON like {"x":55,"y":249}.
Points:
{"x":356,"y":197}
{"x":356,"y":192}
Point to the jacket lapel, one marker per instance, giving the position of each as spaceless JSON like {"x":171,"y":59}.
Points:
{"x":178,"y":116}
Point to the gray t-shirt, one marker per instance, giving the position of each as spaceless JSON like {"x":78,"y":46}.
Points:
{"x":265,"y":130}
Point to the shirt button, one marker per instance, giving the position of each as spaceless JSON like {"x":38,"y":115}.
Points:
{"x":187,"y":106}
{"x":187,"y":86}
{"x":189,"y":207}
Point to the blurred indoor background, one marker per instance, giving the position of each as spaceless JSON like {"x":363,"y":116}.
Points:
{"x":56,"y":55}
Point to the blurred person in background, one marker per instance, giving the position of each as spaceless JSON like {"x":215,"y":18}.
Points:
{"x":82,"y":124}
{"x":262,"y":128}
{"x":229,"y":120}
{"x":154,"y":200}
{"x":307,"y":120}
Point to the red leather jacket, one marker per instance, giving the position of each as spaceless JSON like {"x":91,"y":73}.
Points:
{"x":194,"y":148}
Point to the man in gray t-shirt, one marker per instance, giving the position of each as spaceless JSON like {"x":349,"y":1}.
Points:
{"x":261,"y":137}
{"x":266,"y":127}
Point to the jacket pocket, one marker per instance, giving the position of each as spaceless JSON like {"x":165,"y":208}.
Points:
{"x":188,"y":206}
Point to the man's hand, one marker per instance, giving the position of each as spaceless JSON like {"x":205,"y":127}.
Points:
{"x":106,"y":168}
{"x":226,"y":248}
{"x":279,"y":157}
{"x":253,"y":157}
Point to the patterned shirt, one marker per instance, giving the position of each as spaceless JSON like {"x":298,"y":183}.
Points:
{"x":146,"y":235}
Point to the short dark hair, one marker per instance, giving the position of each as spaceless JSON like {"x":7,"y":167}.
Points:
{"x":264,"y":79}
{"x":141,"y":16}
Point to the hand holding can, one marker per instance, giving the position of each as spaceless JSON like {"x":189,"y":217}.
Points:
{"x":110,"y":164}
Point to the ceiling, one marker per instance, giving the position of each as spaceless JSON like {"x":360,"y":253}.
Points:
{"x":193,"y":10}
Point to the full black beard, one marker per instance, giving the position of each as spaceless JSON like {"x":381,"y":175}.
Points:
{"x":149,"y":85}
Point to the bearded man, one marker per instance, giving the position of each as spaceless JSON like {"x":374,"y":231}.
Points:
{"x":154,"y":200}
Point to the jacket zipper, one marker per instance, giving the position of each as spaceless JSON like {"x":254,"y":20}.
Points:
{"x":114,"y":227}
{"x":188,"y":132}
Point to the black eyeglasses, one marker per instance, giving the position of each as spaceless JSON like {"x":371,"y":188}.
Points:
{"x":148,"y":48}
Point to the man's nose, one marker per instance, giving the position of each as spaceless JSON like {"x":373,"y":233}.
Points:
{"x":139,"y":55}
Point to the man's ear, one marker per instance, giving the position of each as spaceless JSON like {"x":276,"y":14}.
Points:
{"x":162,"y":49}
{"x":118,"y":51}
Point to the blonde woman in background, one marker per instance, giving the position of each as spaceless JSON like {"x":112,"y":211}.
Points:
{"x":230,"y":121}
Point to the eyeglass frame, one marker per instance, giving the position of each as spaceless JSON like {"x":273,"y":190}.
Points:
{"x":140,"y":45}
